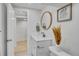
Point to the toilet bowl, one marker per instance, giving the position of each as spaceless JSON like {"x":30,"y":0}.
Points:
{"x":54,"y":51}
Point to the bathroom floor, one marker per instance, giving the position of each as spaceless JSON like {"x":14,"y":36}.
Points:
{"x":21,"y":48}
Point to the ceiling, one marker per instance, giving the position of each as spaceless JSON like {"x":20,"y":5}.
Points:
{"x":38,"y":6}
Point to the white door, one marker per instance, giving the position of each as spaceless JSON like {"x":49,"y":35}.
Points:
{"x":11,"y":30}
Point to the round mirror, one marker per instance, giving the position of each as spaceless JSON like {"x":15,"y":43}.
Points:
{"x":46,"y":20}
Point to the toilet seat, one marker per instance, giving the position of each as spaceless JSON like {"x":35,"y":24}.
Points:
{"x":54,"y":51}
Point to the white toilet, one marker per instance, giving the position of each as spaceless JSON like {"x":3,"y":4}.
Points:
{"x":54,"y":51}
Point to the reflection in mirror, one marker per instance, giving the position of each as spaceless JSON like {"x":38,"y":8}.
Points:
{"x":46,"y":20}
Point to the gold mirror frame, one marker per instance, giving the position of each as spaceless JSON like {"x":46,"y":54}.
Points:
{"x":50,"y":20}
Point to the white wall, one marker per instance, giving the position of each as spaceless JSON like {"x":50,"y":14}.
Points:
{"x":70,"y":29}
{"x":0,"y":28}
{"x":70,"y":32}
{"x":54,"y":20}
{"x":21,"y":24}
{"x":3,"y":25}
{"x":21,"y":30}
{"x":34,"y":18}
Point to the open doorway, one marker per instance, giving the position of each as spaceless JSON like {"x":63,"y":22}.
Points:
{"x":21,"y":32}
{"x":21,"y":37}
{"x":16,"y":31}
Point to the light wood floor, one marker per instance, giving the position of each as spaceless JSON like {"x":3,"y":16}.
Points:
{"x":21,"y":48}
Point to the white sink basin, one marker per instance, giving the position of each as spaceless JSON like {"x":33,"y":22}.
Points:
{"x":40,"y":37}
